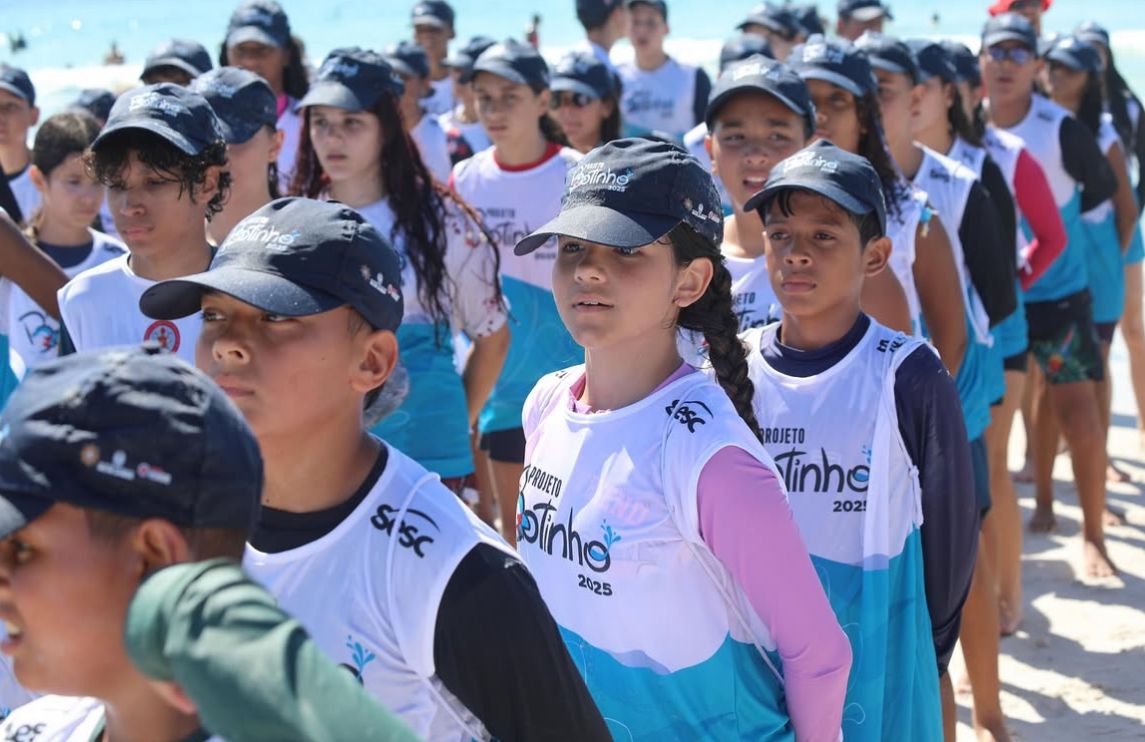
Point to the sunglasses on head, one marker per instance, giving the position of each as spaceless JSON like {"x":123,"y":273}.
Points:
{"x":576,"y":100}
{"x":1016,"y":54}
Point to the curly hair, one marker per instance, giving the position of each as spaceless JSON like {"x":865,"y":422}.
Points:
{"x":873,"y":146}
{"x":108,"y":161}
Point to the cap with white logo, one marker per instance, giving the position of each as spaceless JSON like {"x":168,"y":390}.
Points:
{"x":353,"y":79}
{"x":177,"y":114}
{"x":762,"y":75}
{"x":242,"y":100}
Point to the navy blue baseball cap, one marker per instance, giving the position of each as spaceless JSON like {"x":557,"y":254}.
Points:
{"x":516,"y":62}
{"x":1076,"y":54}
{"x":775,"y":18}
{"x":96,"y":101}
{"x":889,"y":54}
{"x":1009,"y":27}
{"x":261,"y":21}
{"x":353,"y":79}
{"x":740,"y":47}
{"x":295,"y":257}
{"x":136,"y":432}
{"x":16,"y":81}
{"x":834,"y":60}
{"x":582,"y":72}
{"x":173,"y":112}
{"x":762,"y":75}
{"x":965,"y":61}
{"x":433,"y":13}
{"x":808,"y":17}
{"x":848,"y":180}
{"x":659,"y":5}
{"x":632,"y":192}
{"x":1093,"y":32}
{"x":407,"y":58}
{"x":593,"y":13}
{"x":932,"y":60}
{"x":243,"y":101}
{"x":863,"y":10}
{"x":183,"y":54}
{"x":463,"y":58}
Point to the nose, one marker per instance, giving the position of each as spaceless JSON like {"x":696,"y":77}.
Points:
{"x":126,"y":201}
{"x":795,"y":256}
{"x":589,"y":266}
{"x":228,"y":345}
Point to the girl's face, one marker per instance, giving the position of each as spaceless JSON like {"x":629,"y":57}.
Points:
{"x":836,"y":115}
{"x":581,"y":117}
{"x":248,"y":161}
{"x":1065,"y":85}
{"x":264,"y":60}
{"x":751,"y":133}
{"x":934,"y":100}
{"x":899,"y":101}
{"x":1010,"y":77}
{"x":71,"y":196}
{"x":348,"y":144}
{"x":509,"y":111}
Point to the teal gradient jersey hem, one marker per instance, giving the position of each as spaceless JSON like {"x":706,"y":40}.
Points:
{"x":538,"y":344}
{"x":732,"y":695}
{"x":1105,"y":268}
{"x":432,"y":424}
{"x":972,"y":383}
{"x":1012,"y":335}
{"x":892,"y":692}
{"x":1067,"y":275}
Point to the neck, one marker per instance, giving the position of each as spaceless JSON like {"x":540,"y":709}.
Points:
{"x":522,"y":151}
{"x":613,"y":378}
{"x":601,"y":38}
{"x":938,"y":137}
{"x":411,"y":115}
{"x":1005,"y":114}
{"x":908,"y":156}
{"x":812,"y":333}
{"x":437,"y":71}
{"x":188,"y":256}
{"x":53,"y":232}
{"x":466,"y":113}
{"x":239,"y":206}
{"x":358,"y":191}
{"x":137,"y":714}
{"x":743,"y":235}
{"x":302,"y":477}
{"x":15,"y":158}
{"x":1070,"y":104}
{"x":651,"y":60}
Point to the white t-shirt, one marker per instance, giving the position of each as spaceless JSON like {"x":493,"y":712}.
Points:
{"x":100,"y":308}
{"x":368,"y":592}
{"x":473,"y":133}
{"x":902,"y":228}
{"x":442,"y":99}
{"x":33,"y":333}
{"x":25,"y":192}
{"x":431,"y":144}
{"x":58,"y":719}
{"x":290,"y":124}
{"x":658,"y":100}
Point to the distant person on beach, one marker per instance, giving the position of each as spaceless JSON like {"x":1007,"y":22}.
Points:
{"x":114,"y":55}
{"x":776,"y":23}
{"x":409,"y":62}
{"x":585,"y":101}
{"x":178,"y":60}
{"x":18,"y":114}
{"x":605,"y":22}
{"x":856,"y":17}
{"x":433,"y":23}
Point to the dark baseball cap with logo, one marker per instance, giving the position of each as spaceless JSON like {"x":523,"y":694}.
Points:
{"x":260,"y":21}
{"x":889,"y":54}
{"x":965,"y":61}
{"x":462,"y":60}
{"x":16,"y":81}
{"x":1075,"y":54}
{"x":763,"y":75}
{"x":516,"y":62}
{"x":659,"y":5}
{"x":776,"y":18}
{"x":96,"y":101}
{"x":739,"y":48}
{"x":848,"y":180}
{"x":863,"y":10}
{"x":353,"y":79}
{"x":180,"y":116}
{"x":182,"y":54}
{"x":436,"y":13}
{"x":1009,"y":27}
{"x":582,"y":72}
{"x":295,"y":257}
{"x":632,"y":192}
{"x":407,"y":58}
{"x":136,"y":432}
{"x":834,"y":60}
{"x":932,"y":60}
{"x":243,"y":101}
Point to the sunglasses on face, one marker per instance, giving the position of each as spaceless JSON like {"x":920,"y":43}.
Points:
{"x":576,"y":100}
{"x":1016,"y":54}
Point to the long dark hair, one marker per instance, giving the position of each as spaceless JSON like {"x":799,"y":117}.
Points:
{"x":417,"y":200}
{"x":713,"y":316}
{"x":1092,"y":103}
{"x":873,"y":146}
{"x":1118,"y":95}
{"x":959,"y":124}
{"x":295,"y":78}
{"x":610,"y":127}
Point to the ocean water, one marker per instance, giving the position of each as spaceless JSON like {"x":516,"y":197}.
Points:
{"x":67,"y":39}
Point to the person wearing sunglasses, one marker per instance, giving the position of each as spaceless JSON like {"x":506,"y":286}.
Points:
{"x":584,"y":101}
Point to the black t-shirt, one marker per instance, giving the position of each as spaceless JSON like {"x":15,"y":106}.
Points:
{"x":989,"y":253}
{"x":1086,"y":163}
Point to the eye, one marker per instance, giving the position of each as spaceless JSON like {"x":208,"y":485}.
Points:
{"x":20,"y":551}
{"x":211,"y":315}
{"x":776,"y":234}
{"x":779,"y":138}
{"x":627,"y":251}
{"x":156,"y":182}
{"x":824,"y":236}
{"x":275,"y":319}
{"x":571,"y":247}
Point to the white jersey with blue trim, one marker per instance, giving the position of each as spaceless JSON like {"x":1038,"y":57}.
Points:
{"x":59,"y":719}
{"x":33,"y":333}
{"x":659,"y":100}
{"x":902,"y":228}
{"x":429,"y":136}
{"x":368,"y":592}
{"x":27,"y":195}
{"x":609,"y":526}
{"x":753,"y":301}
{"x":857,"y":501}
{"x":1004,"y":149}
{"x":1107,"y":139}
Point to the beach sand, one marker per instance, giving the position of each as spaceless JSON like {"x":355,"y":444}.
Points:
{"x":1076,"y":668}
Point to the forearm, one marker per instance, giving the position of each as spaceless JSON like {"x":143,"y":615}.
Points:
{"x":936,"y":277}
{"x":482,"y":369}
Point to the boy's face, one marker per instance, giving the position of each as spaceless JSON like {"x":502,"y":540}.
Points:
{"x":64,"y":598}
{"x":646,"y":28}
{"x":288,"y":375}
{"x":1006,"y":79}
{"x":433,"y":39}
{"x":16,"y":117}
{"x":752,"y":132}
{"x":152,"y":211}
{"x":815,"y":259}
{"x":71,"y":195}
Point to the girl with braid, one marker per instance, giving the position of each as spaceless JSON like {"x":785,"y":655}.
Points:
{"x":654,"y":522}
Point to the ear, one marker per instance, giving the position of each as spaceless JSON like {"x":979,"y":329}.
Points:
{"x":376,"y":360}
{"x":275,"y":145}
{"x":708,"y":149}
{"x":159,"y":543}
{"x":210,"y":185}
{"x":692,"y":281}
{"x":175,"y":696}
{"x":875,"y":255}
{"x":543,"y":101}
{"x":948,"y":94}
{"x":35,"y":116}
{"x":38,"y":178}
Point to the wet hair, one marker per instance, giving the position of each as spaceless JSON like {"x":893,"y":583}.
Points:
{"x":867,"y":224}
{"x":204,"y":543}
{"x":189,"y":171}
{"x":61,"y":136}
{"x":873,"y":146}
{"x":959,"y":124}
{"x":417,"y":200}
{"x":295,"y":78}
{"x":713,"y":316}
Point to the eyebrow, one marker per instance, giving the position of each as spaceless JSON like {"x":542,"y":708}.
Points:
{"x":734,"y":123}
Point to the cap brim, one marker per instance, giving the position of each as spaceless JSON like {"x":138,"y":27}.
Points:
{"x":21,"y":94}
{"x":458,"y":60}
{"x":335,"y":95}
{"x":882,"y":63}
{"x":842,"y":81}
{"x":999,"y":36}
{"x":243,"y":34}
{"x":601,"y":225}
{"x":870,"y":13}
{"x":181,"y":64}
{"x":155,"y":127}
{"x":1093,"y":38}
{"x":18,"y":510}
{"x":769,"y":23}
{"x":270,"y":292}
{"x":569,"y":85}
{"x":239,"y":134}
{"x":715,"y":103}
{"x":500,"y":70}
{"x":429,"y":20}
{"x":826,"y":189}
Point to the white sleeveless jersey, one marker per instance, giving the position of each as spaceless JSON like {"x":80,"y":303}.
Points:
{"x":290,"y":124}
{"x":608,"y":523}
{"x":12,"y":694}
{"x":368,"y":592}
{"x":1107,"y":139}
{"x":100,"y":308}
{"x":440,"y":99}
{"x":660,"y":100}
{"x":753,"y":301}
{"x":58,"y":719}
{"x":902,"y":228}
{"x":33,"y":333}
{"x":947,"y":185}
{"x":856,"y":498}
{"x":27,"y":196}
{"x":432,"y":146}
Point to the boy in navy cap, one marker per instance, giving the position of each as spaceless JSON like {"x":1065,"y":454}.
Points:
{"x":859,"y":16}
{"x":178,"y":60}
{"x":432,"y":611}
{"x":410,"y":63}
{"x":433,"y":28}
{"x":605,"y":22}
{"x":778,"y":25}
{"x":865,"y":426}
{"x":162,"y":156}
{"x":18,"y":114}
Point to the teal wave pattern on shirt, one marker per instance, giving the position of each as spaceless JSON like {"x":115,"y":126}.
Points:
{"x":1067,"y":274}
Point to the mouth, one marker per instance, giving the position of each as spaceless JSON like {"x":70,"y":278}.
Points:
{"x":13,"y":636}
{"x":590,"y":305}
{"x":797,"y":285}
{"x":755,"y":184}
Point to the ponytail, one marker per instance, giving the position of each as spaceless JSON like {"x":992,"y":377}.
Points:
{"x":959,"y":124}
{"x":713,"y":316}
